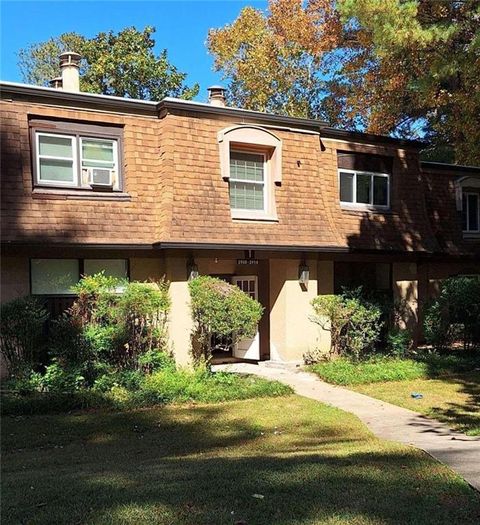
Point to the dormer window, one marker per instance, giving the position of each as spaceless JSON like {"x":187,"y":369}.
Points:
{"x":467,"y":196}
{"x":364,"y":180}
{"x":364,"y":189}
{"x":471,"y":212}
{"x":251,"y":164}
{"x":76,"y":156}
{"x":247,"y":181}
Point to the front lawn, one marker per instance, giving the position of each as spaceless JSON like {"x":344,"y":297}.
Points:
{"x":377,"y":369}
{"x":283,"y":461}
{"x":454,"y":400}
{"x":449,"y":383}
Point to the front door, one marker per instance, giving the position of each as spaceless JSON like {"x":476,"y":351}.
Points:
{"x":248,"y":348}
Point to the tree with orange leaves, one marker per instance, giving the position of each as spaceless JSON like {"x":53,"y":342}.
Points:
{"x":408,"y":68}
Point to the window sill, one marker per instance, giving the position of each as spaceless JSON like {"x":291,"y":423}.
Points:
{"x":359,"y":208}
{"x":71,"y":194}
{"x":471,"y":236}
{"x":239,"y":216}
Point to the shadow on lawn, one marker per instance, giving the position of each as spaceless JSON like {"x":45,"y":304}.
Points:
{"x":168,"y":467}
{"x":463,"y":416}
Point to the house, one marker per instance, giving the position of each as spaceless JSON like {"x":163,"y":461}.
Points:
{"x":286,"y":208}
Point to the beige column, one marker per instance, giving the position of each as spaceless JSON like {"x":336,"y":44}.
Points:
{"x":180,"y":325}
{"x":292,"y":333}
{"x":405,"y":291}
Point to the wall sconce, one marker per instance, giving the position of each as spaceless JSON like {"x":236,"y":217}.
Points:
{"x":192,"y":269}
{"x":303,"y":274}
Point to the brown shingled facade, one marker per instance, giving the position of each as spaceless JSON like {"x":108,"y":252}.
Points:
{"x":175,"y":205}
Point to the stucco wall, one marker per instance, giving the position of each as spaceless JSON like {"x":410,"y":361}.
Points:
{"x":15,"y":278}
{"x":180,"y":324}
{"x":405,"y":292}
{"x":292,"y":333}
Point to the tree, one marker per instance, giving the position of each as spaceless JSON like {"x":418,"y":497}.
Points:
{"x":122,"y":64}
{"x":408,"y":68}
{"x":274,"y":61}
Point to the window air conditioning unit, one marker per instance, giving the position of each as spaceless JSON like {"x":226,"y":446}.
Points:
{"x":101,"y":177}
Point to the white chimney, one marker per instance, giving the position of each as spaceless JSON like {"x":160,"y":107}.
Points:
{"x":69,"y":66}
{"x":216,"y":96}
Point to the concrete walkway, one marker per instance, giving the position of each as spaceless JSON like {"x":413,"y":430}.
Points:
{"x":458,"y":451}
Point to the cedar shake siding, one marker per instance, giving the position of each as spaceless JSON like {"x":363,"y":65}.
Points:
{"x":173,"y":190}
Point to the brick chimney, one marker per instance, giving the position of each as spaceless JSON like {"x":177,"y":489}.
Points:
{"x":69,"y":66}
{"x":216,"y":96}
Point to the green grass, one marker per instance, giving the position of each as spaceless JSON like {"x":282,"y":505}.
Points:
{"x":455,"y":400}
{"x":162,"y":387}
{"x":343,"y":371}
{"x":377,"y":369}
{"x":185,"y":465}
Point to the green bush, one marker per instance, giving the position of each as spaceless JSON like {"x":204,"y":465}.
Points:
{"x":22,"y":333}
{"x":398,"y":342}
{"x":153,"y":360}
{"x":60,"y":379}
{"x":67,"y":342}
{"x":220,"y":310}
{"x":454,"y":316}
{"x":132,"y":389}
{"x":354,"y":324}
{"x":120,"y":326}
{"x":142,"y":312}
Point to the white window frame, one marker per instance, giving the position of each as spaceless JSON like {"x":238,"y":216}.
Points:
{"x":77,"y":141}
{"x":466,"y":211}
{"x":363,"y":205}
{"x":113,"y":179}
{"x":73,"y":158}
{"x":248,"y":213}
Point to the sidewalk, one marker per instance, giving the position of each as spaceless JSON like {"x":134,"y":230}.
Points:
{"x":386,"y":421}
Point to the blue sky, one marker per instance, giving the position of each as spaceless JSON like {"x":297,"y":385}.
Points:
{"x":182,"y":28}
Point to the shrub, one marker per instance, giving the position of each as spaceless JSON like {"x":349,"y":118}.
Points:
{"x":67,"y":342}
{"x":398,"y":342}
{"x":142,"y":311}
{"x":120,"y":327}
{"x":454,"y":316}
{"x":153,"y":360}
{"x":62,"y":379}
{"x":354,"y":324}
{"x":220,"y":310}
{"x":96,"y":298}
{"x":22,"y":333}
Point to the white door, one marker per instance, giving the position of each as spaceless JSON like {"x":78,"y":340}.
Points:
{"x":248,"y":348}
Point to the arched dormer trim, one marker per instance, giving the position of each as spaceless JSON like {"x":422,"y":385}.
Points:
{"x":463,"y":183}
{"x":256,"y":137}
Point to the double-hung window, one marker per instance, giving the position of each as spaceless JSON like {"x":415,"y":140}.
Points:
{"x":471,"y":212}
{"x":76,"y":156}
{"x":364,"y":189}
{"x":248,"y":191}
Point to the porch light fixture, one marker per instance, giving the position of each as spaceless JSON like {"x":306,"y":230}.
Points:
{"x":192,"y":269}
{"x":303,"y":273}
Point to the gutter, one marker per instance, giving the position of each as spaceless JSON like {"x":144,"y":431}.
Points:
{"x":449,"y":167}
{"x":146,"y":107}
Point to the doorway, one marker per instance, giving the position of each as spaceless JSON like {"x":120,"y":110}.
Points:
{"x":248,"y":348}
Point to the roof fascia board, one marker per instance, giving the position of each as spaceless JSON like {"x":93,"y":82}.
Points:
{"x":103,"y":102}
{"x":433,"y":166}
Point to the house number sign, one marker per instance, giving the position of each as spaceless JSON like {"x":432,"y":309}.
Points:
{"x":247,"y":262}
